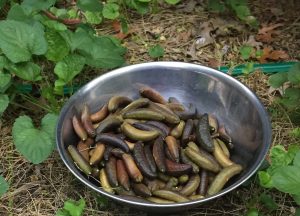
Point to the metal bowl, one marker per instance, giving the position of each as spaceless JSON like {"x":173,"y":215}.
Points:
{"x":212,"y":91}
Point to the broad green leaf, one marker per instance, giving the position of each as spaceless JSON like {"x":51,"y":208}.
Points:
{"x":268,"y":201}
{"x":77,"y":39}
{"x":172,"y":2}
{"x":27,"y":71}
{"x":39,"y":4}
{"x":292,"y":93}
{"x":4,"y":101}
{"x":62,"y":212}
{"x":93,"y":17}
{"x":216,"y":6}
{"x":296,"y":161}
{"x":141,"y":7}
{"x":265,"y":180}
{"x":59,"y":87}
{"x":3,"y":62}
{"x":252,"y":212}
{"x":294,"y":74}
{"x":296,"y":198}
{"x":156,"y":51}
{"x":287,"y":179}
{"x":249,"y":67}
{"x":144,"y":0}
{"x":19,"y":40}
{"x":89,"y":5}
{"x":75,"y":208}
{"x":279,"y":156}
{"x":72,"y":13}
{"x":49,"y":124}
{"x":242,"y":11}
{"x":278,"y":79}
{"x":3,"y":186}
{"x":103,"y":52}
{"x":69,"y":67}
{"x":35,"y":145}
{"x":5,"y":81}
{"x":57,"y":46}
{"x":246,"y":51}
{"x":52,"y":24}
{"x":111,"y":11}
{"x":19,"y":13}
{"x":295,"y":132}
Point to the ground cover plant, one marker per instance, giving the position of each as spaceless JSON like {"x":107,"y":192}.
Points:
{"x":50,"y":48}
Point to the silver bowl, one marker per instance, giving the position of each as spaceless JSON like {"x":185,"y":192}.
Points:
{"x":210,"y":90}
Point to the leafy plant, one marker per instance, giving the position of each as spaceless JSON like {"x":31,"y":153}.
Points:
{"x":291,"y":92}
{"x":72,"y":208}
{"x":3,"y":185}
{"x":156,"y":51}
{"x":35,"y":144}
{"x":283,"y":174}
{"x":239,"y":7}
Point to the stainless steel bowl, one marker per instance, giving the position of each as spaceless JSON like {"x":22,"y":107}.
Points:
{"x":212,"y":91}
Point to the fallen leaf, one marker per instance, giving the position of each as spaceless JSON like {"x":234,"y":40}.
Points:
{"x":268,"y":53}
{"x":184,"y":36}
{"x":214,"y":63}
{"x":266,"y":33}
{"x":204,"y":38}
{"x":118,"y":29}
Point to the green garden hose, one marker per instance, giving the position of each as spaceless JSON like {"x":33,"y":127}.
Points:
{"x":268,"y":68}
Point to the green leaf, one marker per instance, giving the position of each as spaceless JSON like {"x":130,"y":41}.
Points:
{"x":5,"y":81}
{"x":249,"y":67}
{"x":297,"y":212}
{"x":48,"y":125}
{"x":62,"y":212}
{"x":252,"y":212}
{"x":268,"y":201}
{"x":69,"y":67}
{"x":3,"y":62}
{"x":75,"y":208}
{"x":57,"y":46}
{"x":294,"y":74}
{"x":72,"y":13}
{"x":265,"y":180}
{"x":295,"y":132}
{"x":246,"y":51}
{"x":278,"y":79}
{"x":52,"y":24}
{"x":39,"y":4}
{"x":141,"y":7}
{"x":156,"y":51}
{"x":19,"y":40}
{"x":89,"y":5}
{"x":4,"y":101}
{"x":3,"y":185}
{"x":172,"y":2}
{"x":292,"y":93}
{"x":102,"y":52}
{"x":287,"y":179}
{"x":216,"y":6}
{"x":35,"y":145}
{"x":19,"y":13}
{"x":111,"y":11}
{"x":279,"y":156}
{"x":296,"y":161}
{"x":27,"y":71}
{"x":93,"y":17}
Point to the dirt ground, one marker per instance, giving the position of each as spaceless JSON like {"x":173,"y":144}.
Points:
{"x":42,"y":189}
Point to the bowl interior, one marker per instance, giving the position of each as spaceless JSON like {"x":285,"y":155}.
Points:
{"x":211,"y":91}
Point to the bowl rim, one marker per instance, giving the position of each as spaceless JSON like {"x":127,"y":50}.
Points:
{"x":266,"y":127}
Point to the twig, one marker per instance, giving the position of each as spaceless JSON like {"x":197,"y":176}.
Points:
{"x":64,"y":21}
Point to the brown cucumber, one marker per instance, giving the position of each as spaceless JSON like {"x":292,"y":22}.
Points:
{"x":131,"y":167}
{"x":98,"y":153}
{"x":87,"y":122}
{"x":170,"y":195}
{"x":176,"y":169}
{"x":203,"y":160}
{"x":150,"y":158}
{"x":218,"y":153}
{"x":79,"y":129}
{"x":141,"y":161}
{"x":141,"y":190}
{"x":187,"y":131}
{"x":100,"y":115}
{"x":187,"y":160}
{"x":203,"y":134}
{"x":203,"y":183}
{"x":152,"y":94}
{"x":173,"y":147}
{"x":116,"y":102}
{"x":79,"y":160}
{"x":222,"y":178}
{"x":144,"y":114}
{"x":113,"y":140}
{"x":159,"y":155}
{"x":178,"y":129}
{"x":104,"y":182}
{"x":111,"y":171}
{"x":170,"y":116}
{"x":191,"y":186}
{"x":109,"y":123}
{"x":225,"y":137}
{"x":122,"y":175}
{"x":189,"y":113}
